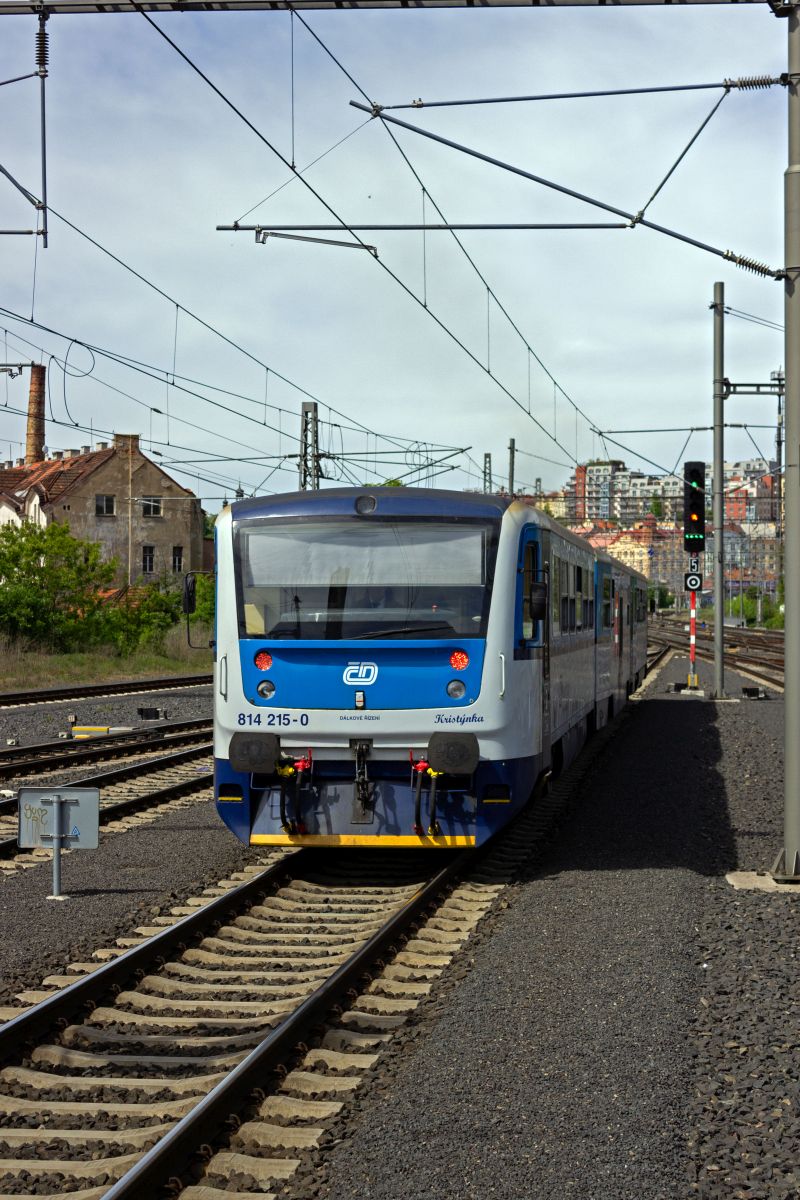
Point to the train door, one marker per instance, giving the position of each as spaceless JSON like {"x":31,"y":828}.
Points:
{"x":546,"y":714}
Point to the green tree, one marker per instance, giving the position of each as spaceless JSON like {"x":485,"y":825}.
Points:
{"x":657,"y":506}
{"x":204,"y":595}
{"x":143,"y":617}
{"x":50,"y":585}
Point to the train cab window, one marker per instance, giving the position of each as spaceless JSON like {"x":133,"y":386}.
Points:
{"x":555,"y":594}
{"x":529,"y":626}
{"x":335,"y":578}
{"x":531,"y":601}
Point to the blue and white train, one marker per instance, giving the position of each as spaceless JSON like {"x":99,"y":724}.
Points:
{"x":398,"y":667}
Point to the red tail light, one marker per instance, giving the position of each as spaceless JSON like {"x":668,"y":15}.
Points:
{"x":459,"y":660}
{"x":263,"y":660}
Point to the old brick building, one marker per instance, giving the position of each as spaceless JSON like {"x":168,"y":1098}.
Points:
{"x":114,"y":495}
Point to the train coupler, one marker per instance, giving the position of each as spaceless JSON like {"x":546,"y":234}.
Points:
{"x":302,"y":767}
{"x":420,"y":769}
{"x":433,"y":828}
{"x":286,"y":771}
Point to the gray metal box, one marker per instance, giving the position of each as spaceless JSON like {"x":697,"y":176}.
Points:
{"x":80,"y":819}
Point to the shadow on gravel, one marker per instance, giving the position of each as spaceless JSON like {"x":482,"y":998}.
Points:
{"x":75,"y":892}
{"x":654,"y":798}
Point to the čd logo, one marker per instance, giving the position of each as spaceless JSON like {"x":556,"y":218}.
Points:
{"x":360,"y":674}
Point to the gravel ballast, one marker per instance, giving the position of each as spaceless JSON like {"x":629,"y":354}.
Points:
{"x":131,"y":877}
{"x":624,"y":1025}
{"x":43,"y":723}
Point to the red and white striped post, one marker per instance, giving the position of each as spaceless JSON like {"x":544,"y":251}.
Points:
{"x":692,"y":638}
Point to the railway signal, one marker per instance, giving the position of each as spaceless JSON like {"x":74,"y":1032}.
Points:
{"x":694,"y":506}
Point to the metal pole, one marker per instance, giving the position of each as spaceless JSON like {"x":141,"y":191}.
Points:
{"x":692,"y":639}
{"x":57,"y":823}
{"x":41,"y":67}
{"x":130,"y":512}
{"x":511,"y":453}
{"x":718,"y":468}
{"x":788,"y":864}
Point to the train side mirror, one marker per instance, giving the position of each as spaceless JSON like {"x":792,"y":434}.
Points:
{"x":189,"y":594}
{"x":538,"y":601}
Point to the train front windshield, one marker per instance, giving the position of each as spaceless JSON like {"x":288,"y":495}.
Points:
{"x":332,"y":579}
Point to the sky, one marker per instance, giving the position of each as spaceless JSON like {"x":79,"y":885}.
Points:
{"x":552,"y":338}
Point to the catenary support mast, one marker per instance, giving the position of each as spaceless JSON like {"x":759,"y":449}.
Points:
{"x":788,"y":864}
{"x":718,"y":468}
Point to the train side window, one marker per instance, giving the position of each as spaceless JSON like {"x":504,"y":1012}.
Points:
{"x":555,"y":594}
{"x":588,"y":599}
{"x":572,"y":597}
{"x":566,"y":571}
{"x":607,"y":596}
{"x":579,"y":597}
{"x":641,"y":604}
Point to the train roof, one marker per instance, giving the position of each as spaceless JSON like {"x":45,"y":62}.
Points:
{"x":394,"y":501}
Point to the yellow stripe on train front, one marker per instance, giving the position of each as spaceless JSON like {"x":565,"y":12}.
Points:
{"x":443,"y":841}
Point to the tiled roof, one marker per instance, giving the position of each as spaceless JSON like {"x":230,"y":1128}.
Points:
{"x":58,"y":477}
{"x":55,"y":477}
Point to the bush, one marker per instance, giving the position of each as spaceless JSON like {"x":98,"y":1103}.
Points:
{"x":51,"y":585}
{"x":142,"y":618}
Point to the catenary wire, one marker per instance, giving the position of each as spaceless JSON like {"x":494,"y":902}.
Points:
{"x":348,"y":75}
{"x":756,"y":81}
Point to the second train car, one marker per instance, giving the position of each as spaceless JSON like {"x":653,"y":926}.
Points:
{"x":398,"y":666}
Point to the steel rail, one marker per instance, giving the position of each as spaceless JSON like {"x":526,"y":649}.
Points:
{"x":174,"y":1152}
{"x":72,"y":1001}
{"x":116,"y":688}
{"x":52,"y":756}
{"x":770,"y":674}
{"x":145,"y":734}
{"x":129,"y":771}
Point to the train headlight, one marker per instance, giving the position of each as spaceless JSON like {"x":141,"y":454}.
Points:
{"x":266,"y":689}
{"x":459,"y":660}
{"x":263,"y":660}
{"x":456,"y":689}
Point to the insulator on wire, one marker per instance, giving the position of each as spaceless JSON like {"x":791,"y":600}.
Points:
{"x":42,"y":46}
{"x":752,"y":82}
{"x":750,"y":264}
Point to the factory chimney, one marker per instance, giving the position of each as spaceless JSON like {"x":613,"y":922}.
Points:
{"x":34,"y":444}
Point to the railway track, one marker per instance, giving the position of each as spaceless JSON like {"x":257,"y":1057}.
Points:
{"x":124,"y":790}
{"x":116,"y":688}
{"x":758,"y":655}
{"x":133,"y":1091}
{"x":44,"y":757}
{"x":205,"y":1060}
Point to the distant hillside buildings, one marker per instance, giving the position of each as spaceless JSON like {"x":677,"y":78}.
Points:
{"x":638,"y":519}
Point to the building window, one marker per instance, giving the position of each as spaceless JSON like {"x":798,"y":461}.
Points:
{"x":148,"y":559}
{"x":151,"y":506}
{"x":104,"y":506}
{"x":177,"y":559}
